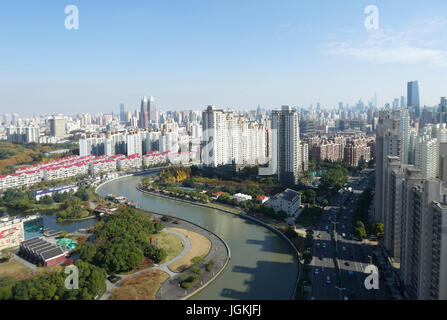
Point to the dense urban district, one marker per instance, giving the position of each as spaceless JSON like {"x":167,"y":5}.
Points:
{"x":357,"y":191}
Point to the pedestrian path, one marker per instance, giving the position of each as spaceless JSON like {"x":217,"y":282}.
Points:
{"x":164,"y":266}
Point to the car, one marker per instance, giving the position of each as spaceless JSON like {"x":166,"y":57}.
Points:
{"x":345,"y":298}
{"x":328,"y":280}
{"x":312,"y":298}
{"x":343,"y":226}
{"x":316,"y":271}
{"x":324,"y":244}
{"x":343,"y":235}
{"x":322,"y":269}
{"x":350,"y":273}
{"x":326,"y":228}
{"x":346,"y":263}
{"x":318,"y":244}
{"x":343,"y":248}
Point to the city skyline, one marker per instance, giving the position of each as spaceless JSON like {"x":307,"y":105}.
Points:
{"x":231,"y":54}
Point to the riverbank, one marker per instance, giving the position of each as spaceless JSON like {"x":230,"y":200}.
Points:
{"x":219,"y":253}
{"x":241,"y":215}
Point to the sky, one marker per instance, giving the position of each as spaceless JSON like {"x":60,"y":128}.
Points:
{"x":227,"y":53}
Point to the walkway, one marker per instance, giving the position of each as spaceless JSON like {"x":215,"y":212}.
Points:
{"x":164,"y":266}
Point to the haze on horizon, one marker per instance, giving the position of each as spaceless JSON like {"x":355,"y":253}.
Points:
{"x":230,"y":54}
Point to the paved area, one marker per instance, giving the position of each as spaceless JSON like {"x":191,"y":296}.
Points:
{"x":164,"y":266}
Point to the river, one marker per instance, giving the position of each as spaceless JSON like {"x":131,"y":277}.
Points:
{"x":263,"y":266}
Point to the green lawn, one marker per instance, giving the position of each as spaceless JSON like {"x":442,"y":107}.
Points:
{"x":172,"y":243}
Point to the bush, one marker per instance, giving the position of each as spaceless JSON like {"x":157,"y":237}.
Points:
{"x":210,"y":265}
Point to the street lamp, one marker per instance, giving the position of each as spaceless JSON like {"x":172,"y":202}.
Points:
{"x":340,"y":290}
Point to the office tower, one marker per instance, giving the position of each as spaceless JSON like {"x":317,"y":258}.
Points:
{"x":152,"y":110}
{"x":388,"y":143}
{"x":122,"y":113}
{"x":413,"y":98}
{"x":404,"y":128}
{"x":57,"y":126}
{"x":427,"y":156}
{"x":402,"y":102}
{"x":286,"y":124}
{"x":144,"y":120}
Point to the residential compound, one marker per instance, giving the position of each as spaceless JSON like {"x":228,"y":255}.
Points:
{"x":354,"y":150}
{"x":74,"y":166}
{"x":232,"y":139}
{"x":411,"y":200}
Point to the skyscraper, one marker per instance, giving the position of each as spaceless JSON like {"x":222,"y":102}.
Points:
{"x":388,"y":143}
{"x":152,"y":110}
{"x":122,"y":113}
{"x":286,"y":122}
{"x":413,"y":98}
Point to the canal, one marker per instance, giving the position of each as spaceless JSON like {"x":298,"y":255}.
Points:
{"x":263,"y":266}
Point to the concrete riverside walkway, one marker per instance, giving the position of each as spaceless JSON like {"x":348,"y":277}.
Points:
{"x":164,"y":266}
{"x":170,"y":289}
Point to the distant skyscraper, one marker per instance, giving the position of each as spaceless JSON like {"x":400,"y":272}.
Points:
{"x":152,"y":110}
{"x":413,"y":97}
{"x":402,"y":102}
{"x":122,"y":113}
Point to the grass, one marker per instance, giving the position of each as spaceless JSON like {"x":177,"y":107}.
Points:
{"x":13,"y":269}
{"x":142,"y":287}
{"x":172,"y":243}
{"x":200,"y":246}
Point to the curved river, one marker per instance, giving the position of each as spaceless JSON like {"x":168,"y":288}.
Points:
{"x":262,"y":266}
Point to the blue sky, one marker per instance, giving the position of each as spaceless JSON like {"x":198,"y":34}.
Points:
{"x":238,"y":54}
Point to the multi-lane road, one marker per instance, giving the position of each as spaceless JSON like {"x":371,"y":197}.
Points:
{"x":338,"y":267}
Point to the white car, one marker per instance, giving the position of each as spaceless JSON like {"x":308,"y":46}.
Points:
{"x":324,"y":245}
{"x":318,"y":244}
{"x":316,"y":271}
{"x":343,"y":235}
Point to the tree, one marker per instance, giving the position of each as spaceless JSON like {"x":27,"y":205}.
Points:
{"x":378,"y":229}
{"x":63,"y":234}
{"x":307,"y":257}
{"x":360,"y":230}
{"x":87,"y":251}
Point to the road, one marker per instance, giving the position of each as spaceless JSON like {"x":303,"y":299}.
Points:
{"x":344,"y":260}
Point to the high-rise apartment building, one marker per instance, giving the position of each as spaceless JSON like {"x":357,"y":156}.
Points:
{"x":286,"y":124}
{"x":57,"y":126}
{"x":388,"y":143}
{"x":230,"y":139}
